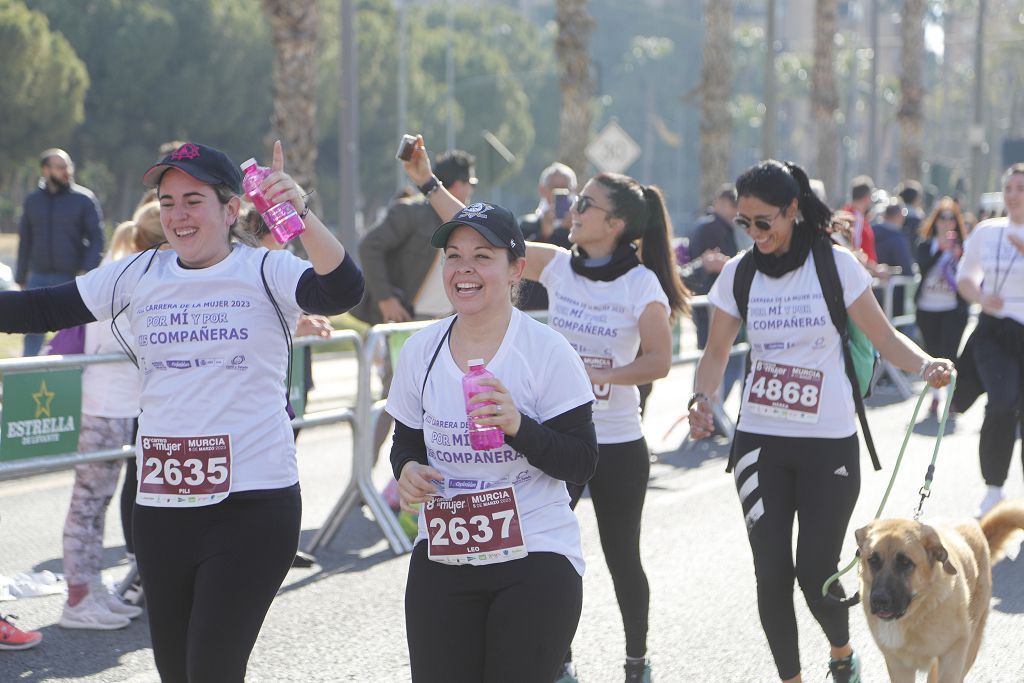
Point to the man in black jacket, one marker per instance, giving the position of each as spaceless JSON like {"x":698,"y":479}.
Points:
{"x":61,"y":231}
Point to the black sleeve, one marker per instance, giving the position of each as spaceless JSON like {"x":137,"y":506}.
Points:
{"x":564,"y":447}
{"x":406,"y":445}
{"x":44,"y":309}
{"x":333,"y":293}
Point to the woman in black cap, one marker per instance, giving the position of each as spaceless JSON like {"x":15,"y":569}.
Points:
{"x":218,"y":510}
{"x":495,"y":581}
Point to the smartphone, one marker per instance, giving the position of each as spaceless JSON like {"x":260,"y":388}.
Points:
{"x":562,"y":202}
{"x":406,"y":147}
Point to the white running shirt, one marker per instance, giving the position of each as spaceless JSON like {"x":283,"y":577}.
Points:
{"x":601,"y":321}
{"x":211,"y":350}
{"x":545,"y":378}
{"x":788,"y":323}
{"x":992,"y":262}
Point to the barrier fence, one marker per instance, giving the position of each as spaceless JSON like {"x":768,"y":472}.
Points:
{"x":365,"y":415}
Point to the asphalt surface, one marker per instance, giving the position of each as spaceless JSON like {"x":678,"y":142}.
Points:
{"x":343,"y":619}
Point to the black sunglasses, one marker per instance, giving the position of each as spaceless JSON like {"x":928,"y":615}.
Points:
{"x":946,"y":215}
{"x":583,"y":202}
{"x":765,"y":224}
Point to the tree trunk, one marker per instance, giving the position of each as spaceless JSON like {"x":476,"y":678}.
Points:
{"x":911,"y":113}
{"x":294,"y":25}
{"x":824,"y":97}
{"x":715,"y":88}
{"x":572,"y":48}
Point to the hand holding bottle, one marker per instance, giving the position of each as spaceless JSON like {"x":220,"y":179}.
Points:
{"x":496,"y":407}
{"x":276,"y":195}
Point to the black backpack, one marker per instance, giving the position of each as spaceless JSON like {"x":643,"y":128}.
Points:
{"x":832,"y":290}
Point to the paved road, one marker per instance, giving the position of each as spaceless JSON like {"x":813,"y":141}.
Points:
{"x":342,"y":621}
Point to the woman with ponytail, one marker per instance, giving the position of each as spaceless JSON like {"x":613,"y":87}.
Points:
{"x":612,"y":296}
{"x":796,"y":446}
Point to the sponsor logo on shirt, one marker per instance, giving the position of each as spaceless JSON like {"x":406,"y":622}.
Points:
{"x":522,"y":477}
{"x":179,"y":364}
{"x":209,"y":362}
{"x":468,"y":484}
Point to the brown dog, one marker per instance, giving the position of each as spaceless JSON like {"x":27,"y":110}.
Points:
{"x":926,"y":589}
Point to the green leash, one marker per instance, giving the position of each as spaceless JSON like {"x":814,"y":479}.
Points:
{"x":925,"y":491}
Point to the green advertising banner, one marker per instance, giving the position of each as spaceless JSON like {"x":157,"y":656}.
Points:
{"x":41,"y":413}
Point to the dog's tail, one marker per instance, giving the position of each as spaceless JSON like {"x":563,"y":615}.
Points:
{"x":1000,"y":524}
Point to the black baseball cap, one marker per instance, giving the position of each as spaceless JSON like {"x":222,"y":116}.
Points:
{"x":205,"y":164}
{"x":496,"y":224}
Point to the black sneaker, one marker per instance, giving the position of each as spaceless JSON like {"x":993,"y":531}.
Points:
{"x":846,"y":670}
{"x":638,"y":671}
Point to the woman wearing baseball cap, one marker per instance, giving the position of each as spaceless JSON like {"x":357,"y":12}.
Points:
{"x":495,"y":581}
{"x":610,"y":298}
{"x":206,"y":321}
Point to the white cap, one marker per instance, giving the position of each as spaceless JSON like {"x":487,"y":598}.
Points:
{"x":475,"y":362}
{"x":247,"y":163}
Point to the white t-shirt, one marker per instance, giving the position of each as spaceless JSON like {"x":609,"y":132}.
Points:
{"x":991,"y":260}
{"x":788,"y":324}
{"x":545,"y":378}
{"x":211,"y":350}
{"x":601,"y":321}
{"x":935,"y":293}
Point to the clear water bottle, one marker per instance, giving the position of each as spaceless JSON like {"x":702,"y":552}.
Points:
{"x":481,"y":437}
{"x":282,"y":219}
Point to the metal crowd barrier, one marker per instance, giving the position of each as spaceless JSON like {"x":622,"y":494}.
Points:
{"x":887,"y":290}
{"x":39,"y":465}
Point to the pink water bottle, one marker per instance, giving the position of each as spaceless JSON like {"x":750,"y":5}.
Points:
{"x":481,"y":437}
{"x":282,"y":219}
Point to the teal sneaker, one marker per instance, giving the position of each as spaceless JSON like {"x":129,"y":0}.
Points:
{"x":845,"y":670}
{"x":567,"y":674}
{"x":638,"y":671}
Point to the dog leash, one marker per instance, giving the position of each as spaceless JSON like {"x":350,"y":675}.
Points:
{"x":924,"y":492}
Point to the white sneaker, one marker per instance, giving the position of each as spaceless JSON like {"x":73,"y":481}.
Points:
{"x":992,"y":498}
{"x":91,"y":614}
{"x":114,"y":603}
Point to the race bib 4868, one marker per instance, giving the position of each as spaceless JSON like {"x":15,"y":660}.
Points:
{"x":786,"y":391}
{"x":184,"y":471}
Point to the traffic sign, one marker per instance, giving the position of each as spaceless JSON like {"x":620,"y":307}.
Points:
{"x":612,"y":150}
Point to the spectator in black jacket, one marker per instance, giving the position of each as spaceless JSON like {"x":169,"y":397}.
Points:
{"x":61,"y":231}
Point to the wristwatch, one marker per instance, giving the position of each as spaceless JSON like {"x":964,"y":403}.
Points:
{"x":430,"y":187}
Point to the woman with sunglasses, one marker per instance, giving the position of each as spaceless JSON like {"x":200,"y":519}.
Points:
{"x":612,"y":295}
{"x":941,"y":311}
{"x":992,"y":275}
{"x":796,"y":445}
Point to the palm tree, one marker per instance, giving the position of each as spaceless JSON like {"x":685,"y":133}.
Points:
{"x":824,"y":97}
{"x":572,"y":48}
{"x":715,"y":88}
{"x":911,"y":112}
{"x":294,"y":24}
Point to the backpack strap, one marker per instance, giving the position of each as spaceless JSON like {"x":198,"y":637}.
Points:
{"x":832,"y":291}
{"x":741,"y":284}
{"x":285,"y":331}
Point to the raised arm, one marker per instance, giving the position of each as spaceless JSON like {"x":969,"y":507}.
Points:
{"x":419,"y":172}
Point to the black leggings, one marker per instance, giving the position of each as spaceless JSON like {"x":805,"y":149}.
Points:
{"x":618,"y":490}
{"x":818,"y":480}
{"x":494,"y":623}
{"x":941,"y":331}
{"x":209,"y":575}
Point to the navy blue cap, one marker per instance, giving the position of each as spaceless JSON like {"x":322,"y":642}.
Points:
{"x":496,"y":224}
{"x":205,"y":164}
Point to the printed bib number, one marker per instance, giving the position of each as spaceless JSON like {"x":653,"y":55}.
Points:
{"x":474,"y":528}
{"x":785,"y":391}
{"x":602,"y":392}
{"x":184,"y":471}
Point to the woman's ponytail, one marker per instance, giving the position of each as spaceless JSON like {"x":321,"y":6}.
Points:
{"x":656,"y":250}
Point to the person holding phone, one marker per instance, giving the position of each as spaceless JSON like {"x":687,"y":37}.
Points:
{"x":941,"y":311}
{"x":548,"y":224}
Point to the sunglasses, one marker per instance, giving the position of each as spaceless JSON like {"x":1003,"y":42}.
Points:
{"x":764,"y":224}
{"x":947,"y":216}
{"x":583,"y":202}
